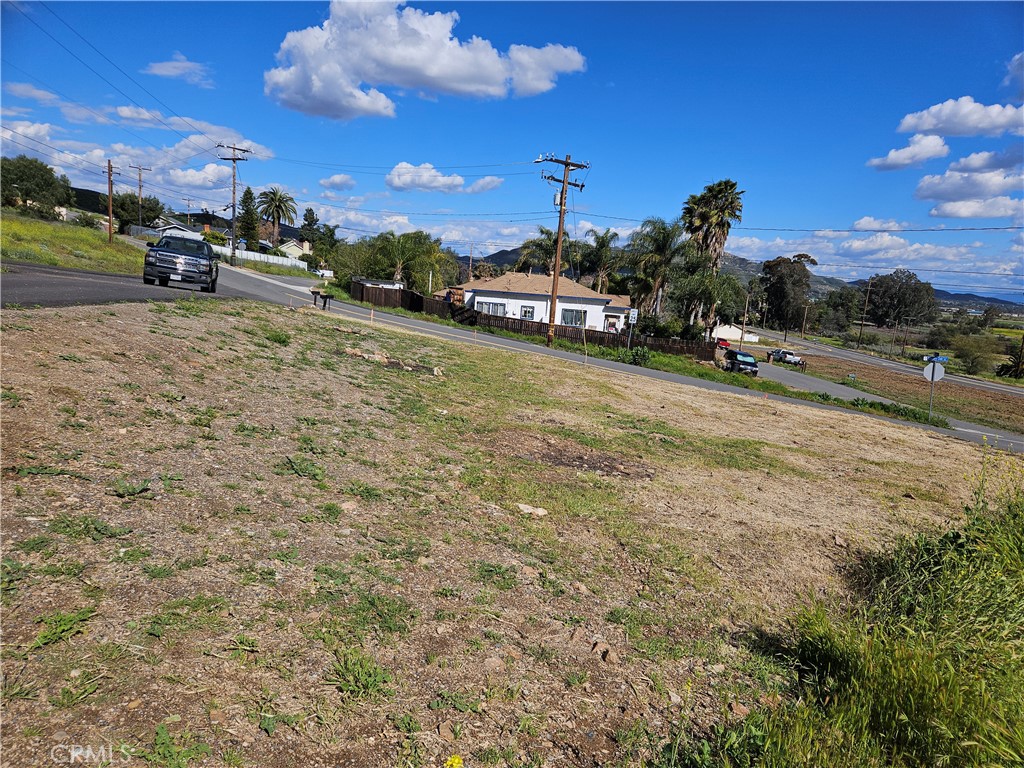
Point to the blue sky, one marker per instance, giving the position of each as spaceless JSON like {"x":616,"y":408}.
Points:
{"x":848,"y":125}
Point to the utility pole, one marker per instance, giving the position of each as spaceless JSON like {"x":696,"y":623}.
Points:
{"x":470,"y":277}
{"x":188,"y":205}
{"x":864,"y":313}
{"x":743,"y":330}
{"x":567,"y":165}
{"x":110,"y":202}
{"x":803,"y":327}
{"x":140,"y":170}
{"x":234,"y":165}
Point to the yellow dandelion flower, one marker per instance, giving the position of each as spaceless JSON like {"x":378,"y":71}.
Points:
{"x":453,"y":762}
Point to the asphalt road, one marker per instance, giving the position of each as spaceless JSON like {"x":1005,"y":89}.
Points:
{"x":30,"y":285}
{"x":815,"y":347}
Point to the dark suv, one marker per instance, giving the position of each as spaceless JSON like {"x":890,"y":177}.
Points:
{"x":740,"y":362}
{"x":181,"y":260}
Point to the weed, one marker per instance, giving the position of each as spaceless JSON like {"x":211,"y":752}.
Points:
{"x":11,"y":572}
{"x":242,"y":647}
{"x":501,"y":576}
{"x":167,"y":752}
{"x":576,"y":678}
{"x":70,"y":568}
{"x":278,"y":337}
{"x":86,"y":527}
{"x":380,"y":613}
{"x":363,"y":491}
{"x":10,"y":397}
{"x":254,"y":574}
{"x":61,"y":626}
{"x":131,"y":555}
{"x":35,"y":544}
{"x":158,"y":571}
{"x":327,"y":513}
{"x":300,"y":466}
{"x":186,"y":614}
{"x":358,"y":676}
{"x":460,"y":702}
{"x":47,"y":470}
{"x":124,"y":488}
{"x":80,"y":688}
{"x":252,"y":430}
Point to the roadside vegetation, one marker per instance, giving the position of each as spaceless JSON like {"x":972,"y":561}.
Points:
{"x":66,"y":245}
{"x":925,"y":669}
{"x":241,"y":533}
{"x":268,"y":268}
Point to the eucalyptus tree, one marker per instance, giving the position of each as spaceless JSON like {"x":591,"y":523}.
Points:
{"x":275,"y":205}
{"x":651,"y":252}
{"x":786,"y":282}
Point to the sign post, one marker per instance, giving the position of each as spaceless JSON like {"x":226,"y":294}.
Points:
{"x":633,"y":315}
{"x":933,"y":372}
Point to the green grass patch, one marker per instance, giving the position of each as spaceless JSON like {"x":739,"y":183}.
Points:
{"x":86,"y":527}
{"x":65,"y":245}
{"x":358,"y":676}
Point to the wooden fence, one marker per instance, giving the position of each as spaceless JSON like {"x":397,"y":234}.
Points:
{"x":415,"y":302}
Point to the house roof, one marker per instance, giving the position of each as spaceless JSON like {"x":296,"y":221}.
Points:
{"x":539,"y":285}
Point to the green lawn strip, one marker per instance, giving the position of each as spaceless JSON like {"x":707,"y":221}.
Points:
{"x":66,"y":245}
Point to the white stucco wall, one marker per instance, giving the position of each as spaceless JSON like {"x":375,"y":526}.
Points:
{"x":516,"y":302}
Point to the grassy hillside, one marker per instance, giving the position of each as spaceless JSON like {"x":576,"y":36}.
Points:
{"x":237,"y":534}
{"x":65,"y":245}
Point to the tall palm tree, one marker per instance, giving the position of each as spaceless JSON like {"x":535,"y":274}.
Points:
{"x":652,"y":250}
{"x":276,"y":205}
{"x":600,"y":257}
{"x":708,"y":217}
{"x":538,"y":252}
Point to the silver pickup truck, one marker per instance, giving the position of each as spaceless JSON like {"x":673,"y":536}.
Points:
{"x":181,"y":260}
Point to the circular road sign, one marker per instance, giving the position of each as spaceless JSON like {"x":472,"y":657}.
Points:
{"x":933,"y":371}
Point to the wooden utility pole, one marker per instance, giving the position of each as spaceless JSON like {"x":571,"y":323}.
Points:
{"x":110,"y":202}
{"x":803,"y":326}
{"x":567,"y":166}
{"x":234,"y":176}
{"x":188,"y":208}
{"x":140,"y":169}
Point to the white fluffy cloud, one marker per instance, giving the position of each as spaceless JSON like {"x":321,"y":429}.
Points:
{"x":920,"y":149}
{"x":334,"y":70}
{"x":992,"y":208}
{"x":339,"y":181}
{"x":1015,"y":75}
{"x":406,"y":177}
{"x":180,"y":68}
{"x":956,"y":185}
{"x":209,"y":176}
{"x":965,"y":117}
{"x":871,"y":223}
{"x":1011,"y":157}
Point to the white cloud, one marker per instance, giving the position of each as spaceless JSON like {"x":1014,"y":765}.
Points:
{"x":7,"y":111}
{"x":24,"y":129}
{"x":29,"y":91}
{"x":485,"y":184}
{"x":870,"y":222}
{"x":954,"y":185}
{"x":181,"y":68}
{"x":340,"y":181}
{"x":1011,"y":157}
{"x":426,"y":178}
{"x":1015,"y":75}
{"x":965,"y":117}
{"x":920,"y":149}
{"x":334,"y":70}
{"x":992,"y":208}
{"x":209,"y":176}
{"x":880,"y":241}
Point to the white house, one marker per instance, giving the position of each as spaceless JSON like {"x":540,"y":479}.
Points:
{"x":734,"y":333}
{"x":528,"y":297}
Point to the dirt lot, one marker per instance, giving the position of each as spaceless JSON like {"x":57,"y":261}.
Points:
{"x":951,"y":399}
{"x":235,"y":534}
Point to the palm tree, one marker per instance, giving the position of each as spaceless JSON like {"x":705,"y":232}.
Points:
{"x":538,"y":252}
{"x":600,"y":257}
{"x":276,"y":205}
{"x":708,"y":216}
{"x":652,"y":250}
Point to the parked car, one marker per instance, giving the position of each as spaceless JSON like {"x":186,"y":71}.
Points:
{"x":740,"y":362}
{"x":786,"y":356}
{"x":326,"y":274}
{"x":181,"y":260}
{"x":723,"y":343}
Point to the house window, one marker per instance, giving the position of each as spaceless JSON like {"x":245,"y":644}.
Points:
{"x":527,"y":312}
{"x":577,"y":318}
{"x":491,"y":308}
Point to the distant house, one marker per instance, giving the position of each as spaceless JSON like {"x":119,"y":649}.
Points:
{"x":734,"y":333}
{"x":528,"y":297}
{"x":296,"y":249}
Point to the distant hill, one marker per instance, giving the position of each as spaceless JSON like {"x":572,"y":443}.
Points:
{"x":745,"y":270}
